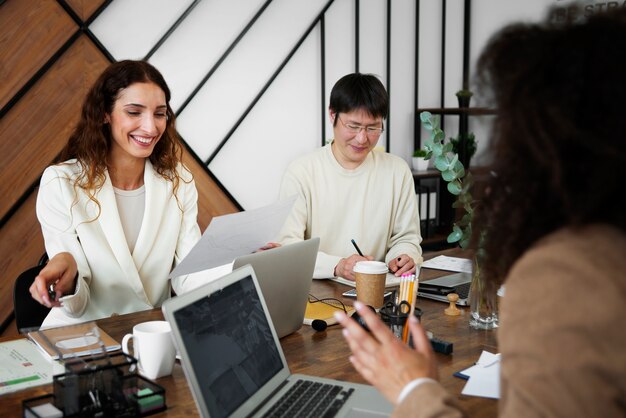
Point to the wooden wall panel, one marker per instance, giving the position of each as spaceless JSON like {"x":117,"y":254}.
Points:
{"x":211,"y":199}
{"x":84,"y":8}
{"x":37,"y":127}
{"x":32,"y":31}
{"x":21,"y":246}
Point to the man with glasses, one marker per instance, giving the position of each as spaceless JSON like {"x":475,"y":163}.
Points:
{"x":348,"y":191}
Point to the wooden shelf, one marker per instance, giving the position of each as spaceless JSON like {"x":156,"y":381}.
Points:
{"x":473,"y":111}
{"x":430,"y":173}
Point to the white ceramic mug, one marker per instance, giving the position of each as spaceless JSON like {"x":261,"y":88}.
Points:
{"x":153,"y":348}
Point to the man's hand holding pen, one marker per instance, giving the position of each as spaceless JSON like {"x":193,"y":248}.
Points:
{"x":402,"y":264}
{"x":398,"y":266}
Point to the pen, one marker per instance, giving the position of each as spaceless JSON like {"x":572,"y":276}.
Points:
{"x":357,"y":248}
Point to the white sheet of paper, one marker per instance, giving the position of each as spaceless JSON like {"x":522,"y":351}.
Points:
{"x":24,"y":366}
{"x":484,"y":377}
{"x":233,"y":235}
{"x":443,"y":262}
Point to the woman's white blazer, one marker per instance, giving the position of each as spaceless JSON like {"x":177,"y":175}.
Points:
{"x":111,"y":279}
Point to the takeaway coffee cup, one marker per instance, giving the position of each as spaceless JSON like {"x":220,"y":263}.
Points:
{"x":370,"y":282}
{"x":153,"y":348}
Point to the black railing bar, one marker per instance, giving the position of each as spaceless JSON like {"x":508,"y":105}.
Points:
{"x":84,"y":26}
{"x":323,"y":75}
{"x":443,"y":61}
{"x":356,"y":35}
{"x":171,"y":30}
{"x":388,"y":128}
{"x":417,"y":132}
{"x":245,"y":30}
{"x":269,"y":82}
{"x":466,"y":42}
{"x":37,"y":76}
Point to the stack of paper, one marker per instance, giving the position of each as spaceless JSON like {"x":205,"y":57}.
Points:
{"x":484,"y":377}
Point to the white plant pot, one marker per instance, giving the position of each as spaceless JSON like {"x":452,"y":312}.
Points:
{"x":420,"y":164}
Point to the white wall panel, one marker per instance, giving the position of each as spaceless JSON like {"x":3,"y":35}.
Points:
{"x":340,"y":39}
{"x":402,"y":77}
{"x":282,"y":126}
{"x":373,"y":38}
{"x":224,"y":98}
{"x":129,"y":29}
{"x":201,"y":39}
{"x":429,"y":60}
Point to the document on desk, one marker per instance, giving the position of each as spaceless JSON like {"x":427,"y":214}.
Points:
{"x":484,"y":377}
{"x":443,"y":262}
{"x":24,"y":366}
{"x":234,"y":235}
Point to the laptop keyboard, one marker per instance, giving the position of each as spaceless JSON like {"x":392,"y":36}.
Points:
{"x":310,"y":399}
{"x":463,"y":290}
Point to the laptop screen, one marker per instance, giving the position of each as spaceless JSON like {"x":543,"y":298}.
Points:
{"x":230,"y":345}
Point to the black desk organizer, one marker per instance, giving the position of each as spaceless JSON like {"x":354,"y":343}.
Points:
{"x":101,"y":386}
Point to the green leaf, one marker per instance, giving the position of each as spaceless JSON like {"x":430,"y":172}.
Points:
{"x":441,"y":162}
{"x":437,"y":148}
{"x":438,"y":135}
{"x":448,"y":175}
{"x":425,"y":117}
{"x":447,"y":148}
{"x":454,"y":187}
{"x":455,"y":235}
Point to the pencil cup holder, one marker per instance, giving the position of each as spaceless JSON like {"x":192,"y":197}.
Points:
{"x":101,"y":386}
{"x":395,"y":316}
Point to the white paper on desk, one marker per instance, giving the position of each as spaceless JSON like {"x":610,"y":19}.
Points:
{"x":234,"y":235}
{"x":24,"y":366}
{"x":443,"y":262}
{"x":484,"y":377}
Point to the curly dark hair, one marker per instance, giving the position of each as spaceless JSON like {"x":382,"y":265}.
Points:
{"x":90,"y":141}
{"x":558,"y":157}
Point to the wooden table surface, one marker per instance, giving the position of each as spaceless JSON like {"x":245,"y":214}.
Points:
{"x":317,"y":353}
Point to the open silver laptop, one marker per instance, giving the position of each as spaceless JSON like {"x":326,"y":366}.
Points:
{"x":285,"y":275}
{"x":234,"y":363}
{"x":439,"y":288}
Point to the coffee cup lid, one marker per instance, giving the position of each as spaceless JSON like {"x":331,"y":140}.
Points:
{"x":370,"y":267}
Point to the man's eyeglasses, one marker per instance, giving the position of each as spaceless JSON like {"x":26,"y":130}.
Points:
{"x":370,"y":131}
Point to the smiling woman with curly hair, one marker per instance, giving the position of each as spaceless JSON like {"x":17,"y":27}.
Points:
{"x":119,"y":209}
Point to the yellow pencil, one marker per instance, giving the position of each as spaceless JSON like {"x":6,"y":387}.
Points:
{"x":405,"y":332}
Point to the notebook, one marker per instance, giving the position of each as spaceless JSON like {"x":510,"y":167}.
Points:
{"x":285,"y":275}
{"x":69,"y":341}
{"x":233,"y":360}
{"x":438,"y":288}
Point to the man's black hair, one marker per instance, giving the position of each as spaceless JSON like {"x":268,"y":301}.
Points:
{"x":359,"y":91}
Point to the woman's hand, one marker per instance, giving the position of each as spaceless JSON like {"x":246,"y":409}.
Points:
{"x":60,"y":272}
{"x":345,"y":266}
{"x":381,"y":358}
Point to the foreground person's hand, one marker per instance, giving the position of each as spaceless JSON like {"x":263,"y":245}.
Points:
{"x":381,"y":358}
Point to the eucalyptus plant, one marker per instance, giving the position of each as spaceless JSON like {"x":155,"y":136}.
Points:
{"x":446,"y":160}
